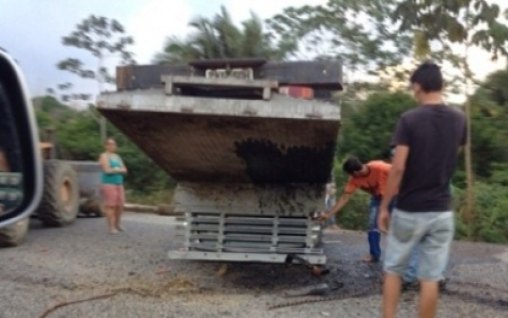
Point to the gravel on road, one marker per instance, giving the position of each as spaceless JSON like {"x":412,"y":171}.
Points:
{"x":57,"y":265}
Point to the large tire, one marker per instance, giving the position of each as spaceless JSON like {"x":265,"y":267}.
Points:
{"x":60,"y":199}
{"x":14,"y":235}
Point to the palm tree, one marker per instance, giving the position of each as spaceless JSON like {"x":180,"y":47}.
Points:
{"x":219,"y":37}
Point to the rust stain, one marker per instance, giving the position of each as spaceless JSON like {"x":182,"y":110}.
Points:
{"x":268,"y":162}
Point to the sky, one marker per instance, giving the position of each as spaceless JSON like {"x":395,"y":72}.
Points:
{"x":31,"y":30}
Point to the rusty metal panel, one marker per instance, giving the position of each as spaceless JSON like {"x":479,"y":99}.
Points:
{"x":285,"y":140}
{"x":228,"y":63}
{"x":124,"y":77}
{"x":195,"y":147}
{"x":147,"y":76}
{"x":316,"y":74}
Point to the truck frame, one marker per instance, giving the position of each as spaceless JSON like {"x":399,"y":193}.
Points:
{"x":251,"y":144}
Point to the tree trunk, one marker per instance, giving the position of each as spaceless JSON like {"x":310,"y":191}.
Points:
{"x":102,"y":123}
{"x":102,"y":119}
{"x":469,"y":215}
{"x":470,"y":198}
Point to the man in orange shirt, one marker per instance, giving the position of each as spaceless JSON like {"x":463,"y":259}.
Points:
{"x":370,"y":177}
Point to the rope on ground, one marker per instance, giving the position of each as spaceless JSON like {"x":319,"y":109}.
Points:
{"x":68,"y":303}
{"x":317,"y":300}
{"x":102,"y":296}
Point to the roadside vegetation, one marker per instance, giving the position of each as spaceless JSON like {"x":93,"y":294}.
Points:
{"x":385,"y":40}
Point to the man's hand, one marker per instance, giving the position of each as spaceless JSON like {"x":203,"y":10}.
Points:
{"x":383,"y":219}
{"x":324,"y":216}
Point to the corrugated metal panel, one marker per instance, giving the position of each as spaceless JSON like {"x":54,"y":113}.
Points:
{"x":221,"y":233}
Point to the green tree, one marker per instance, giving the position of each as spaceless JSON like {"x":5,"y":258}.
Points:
{"x":102,"y":38}
{"x":489,"y":107}
{"x":49,"y":112}
{"x":366,"y":36}
{"x":492,"y":214}
{"x":469,"y":23}
{"x":368,"y":130}
{"x":360,"y":33}
{"x":78,"y":137}
{"x":219,"y":37}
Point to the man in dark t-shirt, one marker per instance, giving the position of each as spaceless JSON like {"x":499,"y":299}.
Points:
{"x":427,"y":141}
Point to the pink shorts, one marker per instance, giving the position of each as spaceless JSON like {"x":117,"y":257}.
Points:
{"x":113,"y":195}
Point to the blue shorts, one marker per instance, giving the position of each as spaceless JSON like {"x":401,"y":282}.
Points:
{"x":430,"y":232}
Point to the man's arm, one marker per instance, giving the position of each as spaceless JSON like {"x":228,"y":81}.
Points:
{"x":392,"y":187}
{"x":343,"y":200}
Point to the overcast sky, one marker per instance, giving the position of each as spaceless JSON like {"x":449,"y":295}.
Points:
{"x":31,"y":30}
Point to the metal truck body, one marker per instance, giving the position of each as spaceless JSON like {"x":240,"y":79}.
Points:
{"x":251,"y":164}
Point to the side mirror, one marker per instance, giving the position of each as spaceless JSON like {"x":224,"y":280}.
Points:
{"x":20,"y":160}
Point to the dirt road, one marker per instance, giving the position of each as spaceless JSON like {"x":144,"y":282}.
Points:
{"x":65,"y":264}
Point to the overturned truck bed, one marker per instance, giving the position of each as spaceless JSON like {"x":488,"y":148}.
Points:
{"x":251,"y":162}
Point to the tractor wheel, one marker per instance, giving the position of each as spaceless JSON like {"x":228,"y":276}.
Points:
{"x":60,"y":199}
{"x":13,"y":235}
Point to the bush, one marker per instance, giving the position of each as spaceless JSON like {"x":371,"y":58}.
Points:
{"x":356,"y":214}
{"x":155,"y":197}
{"x":491,"y":214}
{"x":491,"y":211}
{"x":368,"y":131}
